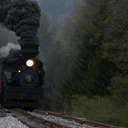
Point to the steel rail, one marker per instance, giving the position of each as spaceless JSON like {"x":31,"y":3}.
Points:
{"x":77,"y":120}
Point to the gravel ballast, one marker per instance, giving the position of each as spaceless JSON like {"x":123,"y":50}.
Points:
{"x":11,"y":122}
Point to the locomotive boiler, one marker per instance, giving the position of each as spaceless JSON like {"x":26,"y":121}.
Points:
{"x":21,"y":81}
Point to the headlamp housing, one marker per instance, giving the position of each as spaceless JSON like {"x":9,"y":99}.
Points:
{"x":30,"y":63}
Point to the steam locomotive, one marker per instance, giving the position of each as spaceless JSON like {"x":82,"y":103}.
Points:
{"x":21,"y":81}
{"x":21,"y":73}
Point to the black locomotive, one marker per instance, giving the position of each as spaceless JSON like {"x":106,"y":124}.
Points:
{"x":22,"y":71}
{"x":21,"y":81}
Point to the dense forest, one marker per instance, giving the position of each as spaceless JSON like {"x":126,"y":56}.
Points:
{"x":86,"y":62}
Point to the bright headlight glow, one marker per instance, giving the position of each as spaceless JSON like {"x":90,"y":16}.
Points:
{"x":29,"y":63}
{"x":19,"y":71}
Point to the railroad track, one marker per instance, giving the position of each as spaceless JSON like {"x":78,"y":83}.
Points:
{"x":77,"y":120}
{"x":34,"y":121}
{"x":43,"y":119}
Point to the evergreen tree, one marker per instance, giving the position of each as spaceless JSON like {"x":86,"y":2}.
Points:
{"x":116,"y":47}
{"x":92,"y":73}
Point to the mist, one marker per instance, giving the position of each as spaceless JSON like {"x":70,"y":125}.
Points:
{"x":7,"y":36}
{"x":56,"y":9}
{"x":5,"y":50}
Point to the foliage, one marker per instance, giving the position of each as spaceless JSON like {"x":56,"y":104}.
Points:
{"x":88,"y":57}
{"x":99,"y":109}
{"x":124,"y":116}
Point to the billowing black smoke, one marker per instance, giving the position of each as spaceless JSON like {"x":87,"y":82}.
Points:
{"x":22,"y":17}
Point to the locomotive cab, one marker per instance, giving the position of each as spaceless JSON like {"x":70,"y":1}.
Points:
{"x":22,"y":80}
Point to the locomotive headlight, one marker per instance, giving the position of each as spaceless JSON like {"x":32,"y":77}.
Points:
{"x":19,"y":71}
{"x":29,"y":63}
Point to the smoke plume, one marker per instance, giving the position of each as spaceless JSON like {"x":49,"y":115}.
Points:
{"x":22,"y":17}
{"x":5,"y":50}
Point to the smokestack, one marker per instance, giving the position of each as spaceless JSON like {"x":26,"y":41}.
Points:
{"x":22,"y":17}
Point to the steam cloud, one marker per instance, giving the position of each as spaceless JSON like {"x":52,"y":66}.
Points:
{"x":22,"y":17}
{"x":5,"y":50}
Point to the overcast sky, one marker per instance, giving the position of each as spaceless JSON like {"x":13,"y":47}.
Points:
{"x":56,"y":9}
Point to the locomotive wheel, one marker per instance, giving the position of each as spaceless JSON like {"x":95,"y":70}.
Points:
{"x":1,"y":99}
{"x":4,"y":100}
